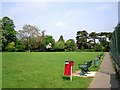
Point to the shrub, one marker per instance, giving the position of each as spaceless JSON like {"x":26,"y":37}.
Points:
{"x":98,"y":47}
{"x":70,"y":45}
{"x":10,"y":47}
{"x":19,"y":48}
{"x":59,"y":46}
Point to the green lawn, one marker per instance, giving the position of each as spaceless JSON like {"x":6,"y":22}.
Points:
{"x":42,"y":69}
{"x":0,"y":70}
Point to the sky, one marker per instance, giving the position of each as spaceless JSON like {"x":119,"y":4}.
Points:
{"x":63,"y":18}
{"x":119,"y":11}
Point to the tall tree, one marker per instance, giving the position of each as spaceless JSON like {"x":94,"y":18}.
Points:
{"x":103,"y":38}
{"x":109,"y":35}
{"x":8,"y":31}
{"x":93,"y":35}
{"x":42,"y":37}
{"x":60,"y":44}
{"x":82,"y":39}
{"x":70,"y":45}
{"x":1,"y":35}
{"x":61,"y":39}
{"x":29,"y":35}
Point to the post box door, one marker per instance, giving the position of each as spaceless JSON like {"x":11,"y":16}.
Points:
{"x":67,"y":71}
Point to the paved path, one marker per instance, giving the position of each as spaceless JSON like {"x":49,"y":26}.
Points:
{"x":105,"y":77}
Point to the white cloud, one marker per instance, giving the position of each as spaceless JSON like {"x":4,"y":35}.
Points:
{"x":61,"y":24}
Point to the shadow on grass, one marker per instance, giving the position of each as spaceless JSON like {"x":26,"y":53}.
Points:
{"x":66,"y":77}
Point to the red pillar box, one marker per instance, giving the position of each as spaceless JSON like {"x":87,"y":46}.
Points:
{"x":67,"y":70}
{"x":72,"y":63}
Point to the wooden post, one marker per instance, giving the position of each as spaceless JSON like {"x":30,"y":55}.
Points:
{"x":71,"y":74}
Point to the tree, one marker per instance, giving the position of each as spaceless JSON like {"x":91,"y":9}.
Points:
{"x":93,"y":35}
{"x":1,"y":35}
{"x":19,"y":47}
{"x":61,"y":39}
{"x":8,"y":31}
{"x":102,"y":37}
{"x":109,"y":35}
{"x":99,"y":47}
{"x":70,"y":45}
{"x":60,"y":44}
{"x":28,"y":35}
{"x":49,"y":42}
{"x":82,"y":39}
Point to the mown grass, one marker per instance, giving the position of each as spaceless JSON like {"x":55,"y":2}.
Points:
{"x":0,"y":70}
{"x":93,"y":68}
{"x":42,"y":69}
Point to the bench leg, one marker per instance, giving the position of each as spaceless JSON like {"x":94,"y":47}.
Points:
{"x":82,"y":72}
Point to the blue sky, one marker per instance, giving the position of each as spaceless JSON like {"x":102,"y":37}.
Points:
{"x":119,"y":11}
{"x":63,"y":18}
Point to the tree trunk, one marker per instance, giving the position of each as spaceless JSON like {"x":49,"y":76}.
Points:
{"x":94,"y":43}
{"x":28,"y":44}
